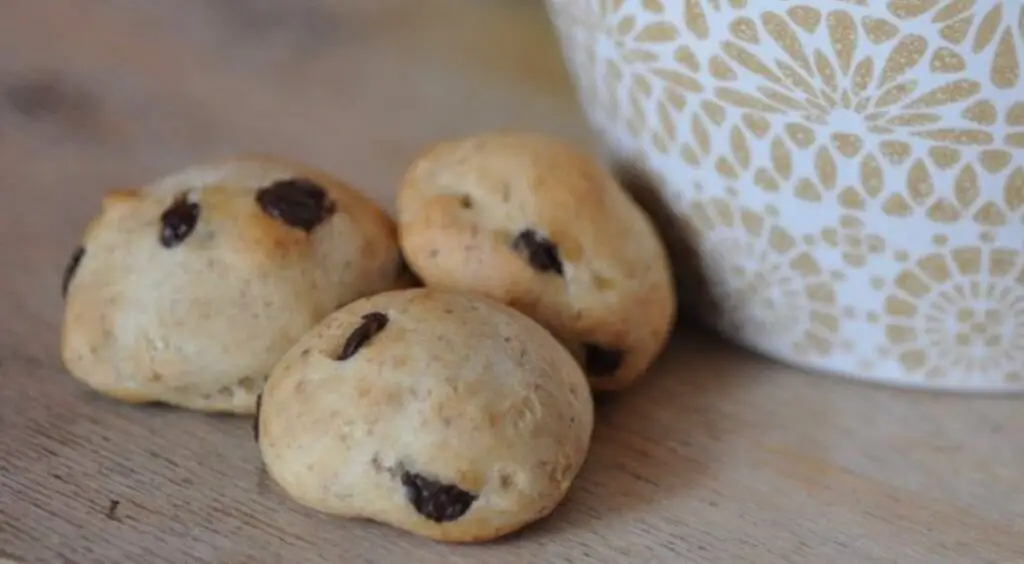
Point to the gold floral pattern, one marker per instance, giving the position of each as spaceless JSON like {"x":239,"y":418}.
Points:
{"x":957,"y":313}
{"x":991,"y":24}
{"x":874,"y":113}
{"x":868,"y":136}
{"x":598,"y":79}
{"x":855,"y":244}
{"x":770,"y":290}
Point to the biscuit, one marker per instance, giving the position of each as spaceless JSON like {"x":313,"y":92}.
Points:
{"x":539,"y":225}
{"x":188,"y":290}
{"x":447,"y":415}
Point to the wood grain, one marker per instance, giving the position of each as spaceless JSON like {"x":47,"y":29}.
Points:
{"x":718,"y":457}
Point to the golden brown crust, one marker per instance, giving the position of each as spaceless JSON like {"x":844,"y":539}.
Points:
{"x":462,"y":204}
{"x":199,"y":320}
{"x":453,"y":387}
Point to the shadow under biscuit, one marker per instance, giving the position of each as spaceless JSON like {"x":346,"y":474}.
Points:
{"x":655,"y":445}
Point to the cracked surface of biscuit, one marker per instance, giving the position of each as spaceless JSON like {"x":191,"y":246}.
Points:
{"x":187,"y":291}
{"x":448,"y":415}
{"x":538,"y":224}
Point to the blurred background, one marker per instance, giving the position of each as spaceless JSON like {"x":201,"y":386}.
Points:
{"x":112,"y":93}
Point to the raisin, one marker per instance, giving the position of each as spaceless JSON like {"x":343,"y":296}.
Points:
{"x":541,"y":253}
{"x":296,"y":202}
{"x":256,"y":418}
{"x":70,"y":269}
{"x":373,"y":323}
{"x":600,"y":361}
{"x":178,"y":221}
{"x":434,"y":500}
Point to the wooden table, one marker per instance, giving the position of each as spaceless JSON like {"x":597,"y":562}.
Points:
{"x":719,"y":457}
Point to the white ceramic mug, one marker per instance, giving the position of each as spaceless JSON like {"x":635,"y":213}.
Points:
{"x":852,"y":171}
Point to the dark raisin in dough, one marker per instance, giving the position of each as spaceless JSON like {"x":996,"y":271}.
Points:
{"x":256,"y":418}
{"x":541,"y":253}
{"x":70,"y":269}
{"x":296,"y":202}
{"x":373,"y":323}
{"x":436,"y":501}
{"x":178,"y":221}
{"x":600,"y":361}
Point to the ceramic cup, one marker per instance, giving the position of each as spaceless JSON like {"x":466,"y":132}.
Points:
{"x":849,"y":172}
